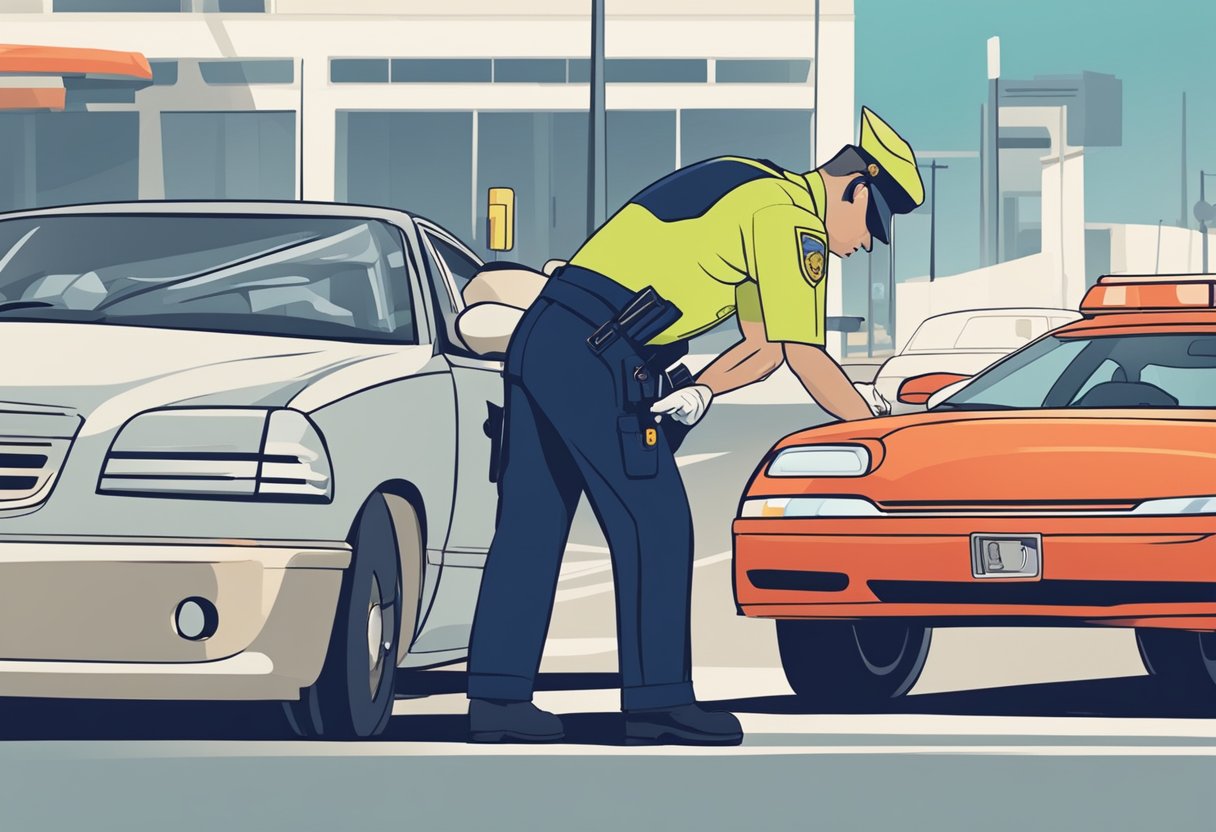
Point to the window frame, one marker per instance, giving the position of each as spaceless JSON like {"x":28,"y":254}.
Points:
{"x":446,"y":337}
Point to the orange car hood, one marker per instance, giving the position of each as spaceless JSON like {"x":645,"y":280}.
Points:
{"x":1107,"y":458}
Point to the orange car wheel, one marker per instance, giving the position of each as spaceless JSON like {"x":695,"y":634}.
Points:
{"x":851,"y":665}
{"x":1184,"y":660}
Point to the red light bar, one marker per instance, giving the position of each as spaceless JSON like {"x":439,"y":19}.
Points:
{"x":1142,"y":293}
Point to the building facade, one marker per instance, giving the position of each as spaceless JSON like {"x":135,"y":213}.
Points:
{"x":426,"y":105}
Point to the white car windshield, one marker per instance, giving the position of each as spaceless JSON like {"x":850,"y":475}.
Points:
{"x":1141,"y":370}
{"x":313,"y":277}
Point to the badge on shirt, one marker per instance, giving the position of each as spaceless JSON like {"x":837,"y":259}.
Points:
{"x":813,"y":256}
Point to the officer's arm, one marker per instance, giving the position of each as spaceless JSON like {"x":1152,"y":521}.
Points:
{"x":826,"y":381}
{"x":792,"y":299}
{"x":752,"y":359}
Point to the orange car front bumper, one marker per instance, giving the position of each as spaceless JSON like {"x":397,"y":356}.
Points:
{"x":1102,"y":570}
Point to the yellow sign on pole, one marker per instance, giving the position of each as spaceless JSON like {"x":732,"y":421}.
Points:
{"x":501,"y":214}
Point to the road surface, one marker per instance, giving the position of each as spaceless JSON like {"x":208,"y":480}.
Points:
{"x":1006,"y":730}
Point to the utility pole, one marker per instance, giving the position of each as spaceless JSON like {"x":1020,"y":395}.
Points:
{"x":1182,"y":222}
{"x":993,"y":215}
{"x":870,"y":304}
{"x":597,"y":169}
{"x":983,"y":190}
{"x":933,"y":167}
{"x":891,"y":287}
{"x":1157,"y":267}
{"x":1204,"y":211}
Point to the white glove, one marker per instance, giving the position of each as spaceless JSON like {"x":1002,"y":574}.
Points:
{"x":686,"y":405}
{"x":878,"y":403}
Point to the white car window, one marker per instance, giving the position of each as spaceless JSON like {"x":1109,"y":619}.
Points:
{"x":294,"y":275}
{"x":1000,"y":332}
{"x":936,"y":334}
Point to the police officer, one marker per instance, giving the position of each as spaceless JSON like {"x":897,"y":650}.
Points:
{"x":590,"y":408}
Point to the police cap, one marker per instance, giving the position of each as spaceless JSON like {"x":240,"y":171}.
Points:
{"x":886,"y":163}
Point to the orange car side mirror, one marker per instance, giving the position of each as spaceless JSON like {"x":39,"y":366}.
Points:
{"x":918,"y":389}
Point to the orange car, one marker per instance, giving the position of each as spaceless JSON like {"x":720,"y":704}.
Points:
{"x":1072,"y":482}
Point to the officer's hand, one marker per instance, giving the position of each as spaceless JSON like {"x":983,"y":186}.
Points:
{"x":686,"y":405}
{"x":878,"y":403}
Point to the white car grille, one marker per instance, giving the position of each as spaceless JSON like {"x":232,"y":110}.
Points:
{"x":34,"y":443}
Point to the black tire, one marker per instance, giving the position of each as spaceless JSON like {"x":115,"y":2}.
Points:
{"x":850,"y":665}
{"x":353,"y":696}
{"x":1181,"y":659}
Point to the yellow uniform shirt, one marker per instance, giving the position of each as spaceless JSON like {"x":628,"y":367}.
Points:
{"x":723,"y":235}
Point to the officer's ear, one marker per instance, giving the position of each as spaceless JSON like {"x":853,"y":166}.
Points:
{"x":850,"y":191}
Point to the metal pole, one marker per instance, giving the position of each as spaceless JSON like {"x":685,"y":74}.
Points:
{"x":1203,"y":226}
{"x":1182,"y":222}
{"x":597,"y":178}
{"x":870,"y":304}
{"x":891,"y":287}
{"x":933,"y":222}
{"x":983,"y":188}
{"x":1157,"y":268}
{"x":815,"y":92}
{"x":301,"y":151}
{"x":994,"y":175}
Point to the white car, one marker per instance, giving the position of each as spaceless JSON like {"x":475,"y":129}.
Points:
{"x":244,"y":455}
{"x":964,"y":343}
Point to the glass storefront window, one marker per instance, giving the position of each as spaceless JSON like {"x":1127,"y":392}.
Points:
{"x":257,"y":71}
{"x":417,"y":161}
{"x":68,"y":158}
{"x":441,"y":70}
{"x":358,"y":70}
{"x":734,"y":71}
{"x":229,"y":155}
{"x":782,"y":136}
{"x":641,"y":148}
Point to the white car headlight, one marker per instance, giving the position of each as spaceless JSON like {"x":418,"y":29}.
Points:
{"x":809,"y":507}
{"x":821,"y":461}
{"x":1178,"y":505}
{"x":234,"y":453}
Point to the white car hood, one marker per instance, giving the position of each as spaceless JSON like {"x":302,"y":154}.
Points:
{"x":108,"y":373}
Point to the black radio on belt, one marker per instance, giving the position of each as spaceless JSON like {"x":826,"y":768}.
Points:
{"x":645,"y":316}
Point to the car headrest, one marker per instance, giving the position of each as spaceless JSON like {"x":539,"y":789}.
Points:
{"x":509,"y":284}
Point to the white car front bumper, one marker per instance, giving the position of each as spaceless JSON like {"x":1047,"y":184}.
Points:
{"x":95,"y":617}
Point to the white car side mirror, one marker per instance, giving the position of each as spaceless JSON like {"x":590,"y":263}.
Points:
{"x":945,"y":393}
{"x":486,"y":328}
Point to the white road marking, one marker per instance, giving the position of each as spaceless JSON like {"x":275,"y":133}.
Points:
{"x":606,"y":586}
{"x":582,"y":547}
{"x":693,"y":459}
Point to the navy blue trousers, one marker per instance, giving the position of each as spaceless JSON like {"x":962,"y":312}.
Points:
{"x":568,"y":431}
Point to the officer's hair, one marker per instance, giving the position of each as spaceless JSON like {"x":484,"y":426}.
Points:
{"x":847,"y":161}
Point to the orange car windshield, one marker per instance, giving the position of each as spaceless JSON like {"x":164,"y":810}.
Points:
{"x":1166,"y":370}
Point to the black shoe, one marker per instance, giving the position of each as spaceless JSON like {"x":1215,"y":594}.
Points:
{"x":682,"y":725}
{"x":494,"y":721}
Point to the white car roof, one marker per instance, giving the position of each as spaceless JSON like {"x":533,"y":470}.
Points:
{"x":220,"y":206}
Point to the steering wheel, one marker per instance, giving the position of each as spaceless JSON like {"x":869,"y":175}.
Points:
{"x":1125,"y":394}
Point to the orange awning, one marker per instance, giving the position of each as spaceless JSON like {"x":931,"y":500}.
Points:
{"x":39,"y":98}
{"x":67,"y":60}
{"x":41,"y":77}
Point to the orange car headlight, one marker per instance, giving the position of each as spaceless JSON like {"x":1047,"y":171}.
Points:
{"x":821,"y":461}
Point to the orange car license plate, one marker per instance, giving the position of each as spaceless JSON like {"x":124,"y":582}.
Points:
{"x":1007,"y":555}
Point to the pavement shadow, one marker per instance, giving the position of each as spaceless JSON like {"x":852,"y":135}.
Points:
{"x":32,"y":719}
{"x":86,"y":719}
{"x":1133,"y":696}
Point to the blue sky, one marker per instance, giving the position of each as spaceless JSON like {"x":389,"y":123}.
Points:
{"x":922,"y":66}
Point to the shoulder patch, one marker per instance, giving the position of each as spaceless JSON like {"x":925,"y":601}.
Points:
{"x":812,"y":255}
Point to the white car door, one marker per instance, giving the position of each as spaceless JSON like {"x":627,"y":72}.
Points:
{"x":479,"y":401}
